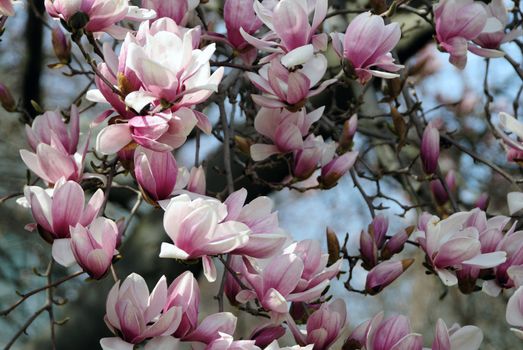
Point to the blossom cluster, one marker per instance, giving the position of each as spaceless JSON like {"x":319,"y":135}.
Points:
{"x":155,"y":83}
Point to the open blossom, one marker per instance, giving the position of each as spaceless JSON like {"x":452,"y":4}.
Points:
{"x":6,"y":8}
{"x":58,"y":154}
{"x":177,"y":10}
{"x":275,"y":346}
{"x":239,"y":15}
{"x":324,"y":325}
{"x":366,"y":46}
{"x":161,"y":132}
{"x":184,"y":293}
{"x":489,"y":43}
{"x":55,"y":214}
{"x":198,"y":230}
{"x":135,"y":315}
{"x":227,"y":342}
{"x":266,"y":237}
{"x":101,"y":15}
{"x":382,"y":333}
{"x":456,"y":337}
{"x":289,"y":89}
{"x":290,"y":30}
{"x":92,"y":247}
{"x":458,"y":22}
{"x":284,"y":128}
{"x":170,"y":70}
{"x":155,"y":172}
{"x":452,"y":244}
{"x":299,"y":274}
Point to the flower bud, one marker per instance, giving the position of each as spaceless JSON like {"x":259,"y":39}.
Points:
{"x":197,"y":182}
{"x":6,"y":99}
{"x":333,"y":246}
{"x":384,"y":274}
{"x":438,"y":190}
{"x":349,"y":130}
{"x":378,"y":229}
{"x":61,"y":45}
{"x":396,"y":243}
{"x":368,"y":250}
{"x":336,"y":168}
{"x":155,"y":172}
{"x":482,"y":201}
{"x":265,"y":334}
{"x":430,"y":149}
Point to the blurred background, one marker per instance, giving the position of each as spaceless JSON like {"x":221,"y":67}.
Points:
{"x":455,"y":97}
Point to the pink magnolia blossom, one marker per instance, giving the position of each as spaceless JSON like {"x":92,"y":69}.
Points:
{"x":275,"y":346}
{"x":55,"y":214}
{"x":299,"y":274}
{"x":393,"y":333}
{"x":284,"y":128}
{"x":161,"y":132}
{"x":92,"y":247}
{"x":384,"y":274}
{"x":489,"y":43}
{"x":170,"y":70}
{"x":514,"y":313}
{"x":457,"y":22}
{"x":197,"y":182}
{"x":456,"y":338}
{"x":336,"y":168}
{"x":102,"y":15}
{"x":58,"y":154}
{"x":290,"y":33}
{"x":240,"y":15}
{"x":177,"y":10}
{"x":315,"y":152}
{"x":266,"y":236}
{"x":367,"y":44}
{"x":198,"y":230}
{"x":155,"y":172}
{"x":6,"y":8}
{"x":324,"y":326}
{"x":265,"y":334}
{"x":429,"y":151}
{"x":438,"y":190}
{"x":451,"y":244}
{"x":184,"y":293}
{"x":289,"y":89}
{"x":136,"y":315}
{"x":227,"y":342}
{"x":349,"y":130}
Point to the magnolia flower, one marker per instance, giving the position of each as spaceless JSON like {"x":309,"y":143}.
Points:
{"x":349,"y":130}
{"x":6,"y":8}
{"x":266,"y":236}
{"x":290,"y":30}
{"x":336,"y":168}
{"x":299,"y":274}
{"x":489,"y":43}
{"x":284,"y":128}
{"x":177,"y":10}
{"x":155,"y":172}
{"x":392,"y":333}
{"x":56,"y":145}
{"x":61,"y":45}
{"x":267,"y":333}
{"x":514,"y":313}
{"x":429,"y":151}
{"x":438,"y":190}
{"x":161,"y":132}
{"x":456,"y":338}
{"x":384,"y":274}
{"x":198,"y":230}
{"x":240,"y":15}
{"x":451,"y":244}
{"x":457,"y":22}
{"x":171,"y":71}
{"x":98,"y":15}
{"x":275,"y":346}
{"x":55,"y":214}
{"x":135,"y":315}
{"x":315,"y":152}
{"x":367,"y":44}
{"x":324,"y":326}
{"x":227,"y":342}
{"x":6,"y":99}
{"x":289,"y":89}
{"x":184,"y":293}
{"x":92,"y":247}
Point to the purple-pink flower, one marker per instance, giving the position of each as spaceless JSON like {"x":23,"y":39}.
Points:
{"x":6,"y":8}
{"x":155,"y":172}
{"x":429,"y":151}
{"x":55,"y":214}
{"x":366,"y":46}
{"x":456,"y":337}
{"x":198,"y":230}
{"x":177,"y":10}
